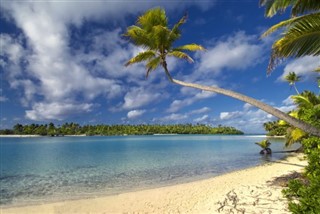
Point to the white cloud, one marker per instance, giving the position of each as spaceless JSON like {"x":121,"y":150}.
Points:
{"x":250,"y":119}
{"x":201,"y":119}
{"x":200,"y":111}
{"x":303,"y":67}
{"x":138,"y":97}
{"x":135,"y":113}
{"x":172,"y":118}
{"x":288,"y":101}
{"x":56,"y":111}
{"x":238,"y":51}
{"x":56,"y":73}
{"x":2,"y":97}
{"x":199,"y":95}
{"x":230,"y":115}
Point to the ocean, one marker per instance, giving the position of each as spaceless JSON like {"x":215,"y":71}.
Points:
{"x":48,"y":169}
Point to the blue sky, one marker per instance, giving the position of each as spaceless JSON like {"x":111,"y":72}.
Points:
{"x":63,"y":61}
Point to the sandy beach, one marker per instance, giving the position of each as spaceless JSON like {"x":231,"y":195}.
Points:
{"x":250,"y":189}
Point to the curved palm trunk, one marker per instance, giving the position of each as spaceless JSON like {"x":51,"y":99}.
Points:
{"x":267,"y":108}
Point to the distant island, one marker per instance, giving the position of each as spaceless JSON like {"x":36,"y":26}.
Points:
{"x":110,"y":130}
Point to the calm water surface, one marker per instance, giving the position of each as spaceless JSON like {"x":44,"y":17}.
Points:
{"x":38,"y":170}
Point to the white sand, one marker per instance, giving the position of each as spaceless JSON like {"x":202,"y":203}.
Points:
{"x":249,"y":188}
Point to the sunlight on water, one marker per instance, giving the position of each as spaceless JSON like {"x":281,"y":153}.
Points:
{"x":37,"y":170}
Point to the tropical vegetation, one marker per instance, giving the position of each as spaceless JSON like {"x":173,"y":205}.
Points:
{"x":292,"y":78}
{"x":265,"y":146}
{"x":142,"y":129}
{"x":153,"y":35}
{"x":300,"y":37}
{"x":301,"y":32}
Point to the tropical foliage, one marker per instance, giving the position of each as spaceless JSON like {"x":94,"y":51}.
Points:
{"x":76,"y":129}
{"x":301,"y":34}
{"x":273,"y":128}
{"x":292,"y":78}
{"x":152,"y":33}
{"x":265,"y":145}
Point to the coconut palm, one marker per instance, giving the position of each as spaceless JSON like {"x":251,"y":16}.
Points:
{"x":301,"y":36}
{"x":308,"y":109}
{"x":152,"y":33}
{"x":292,"y":78}
{"x":264,"y":144}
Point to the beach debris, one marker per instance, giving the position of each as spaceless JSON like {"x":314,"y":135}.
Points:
{"x":252,"y":199}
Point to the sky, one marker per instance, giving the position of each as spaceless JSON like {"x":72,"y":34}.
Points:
{"x":63,"y":61}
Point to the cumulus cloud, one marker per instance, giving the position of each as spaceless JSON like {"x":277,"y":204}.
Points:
{"x":201,"y":119}
{"x":52,"y":72}
{"x":250,"y":119}
{"x":303,"y":67}
{"x":198,"y":95}
{"x":56,"y":111}
{"x":135,"y":113}
{"x":238,"y":51}
{"x":138,"y":97}
{"x":172,"y":118}
{"x":200,"y":110}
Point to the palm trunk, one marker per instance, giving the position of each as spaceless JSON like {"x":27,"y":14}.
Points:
{"x":295,"y":88}
{"x":267,"y":108}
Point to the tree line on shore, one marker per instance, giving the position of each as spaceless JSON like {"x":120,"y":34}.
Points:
{"x":90,"y":130}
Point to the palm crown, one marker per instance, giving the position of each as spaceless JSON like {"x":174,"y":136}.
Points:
{"x":301,"y":36}
{"x":152,"y":33}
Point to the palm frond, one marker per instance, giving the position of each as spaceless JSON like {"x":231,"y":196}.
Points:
{"x":175,"y":31}
{"x":181,"y":55}
{"x":138,"y":36}
{"x":190,"y":47}
{"x":153,"y":17}
{"x":142,"y":56}
{"x":152,"y":65}
{"x":263,"y":144}
{"x":272,"y":7}
{"x":159,"y":37}
{"x":302,"y":38}
{"x":294,"y":135}
{"x":302,"y":101}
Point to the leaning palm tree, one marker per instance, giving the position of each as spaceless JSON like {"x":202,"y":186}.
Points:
{"x":292,"y":78}
{"x":152,"y":33}
{"x":301,"y":35}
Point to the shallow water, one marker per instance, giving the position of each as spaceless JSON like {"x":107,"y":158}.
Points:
{"x":44,"y":169}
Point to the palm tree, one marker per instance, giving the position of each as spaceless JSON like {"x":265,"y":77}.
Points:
{"x":264,"y":144}
{"x":292,"y":78}
{"x":151,"y":32}
{"x":301,"y":36}
{"x":308,"y":109}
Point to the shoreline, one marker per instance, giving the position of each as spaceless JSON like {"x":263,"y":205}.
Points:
{"x":202,"y":196}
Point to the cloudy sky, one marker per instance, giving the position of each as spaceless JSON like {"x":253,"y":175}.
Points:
{"x":63,"y":61}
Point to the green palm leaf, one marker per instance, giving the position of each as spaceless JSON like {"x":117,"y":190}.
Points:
{"x":181,"y":55}
{"x":298,"y":6}
{"x":151,"y":18}
{"x":175,"y":32}
{"x":190,"y":47}
{"x":142,"y":56}
{"x":302,"y":38}
{"x":138,"y":36}
{"x":152,"y":65}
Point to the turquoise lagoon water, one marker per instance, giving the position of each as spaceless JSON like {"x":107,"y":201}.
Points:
{"x":44,"y":169}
